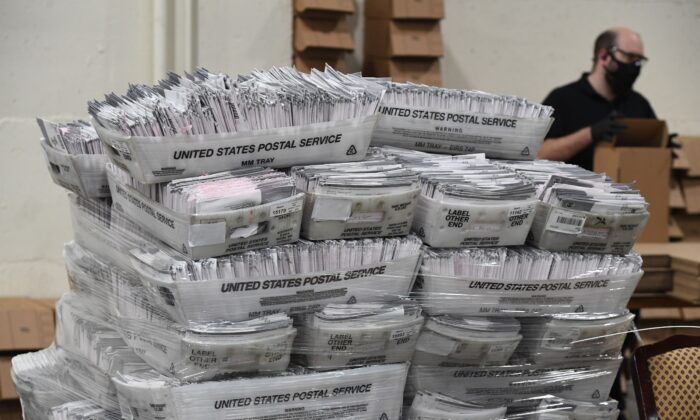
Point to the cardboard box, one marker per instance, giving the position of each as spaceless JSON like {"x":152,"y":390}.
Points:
{"x":655,"y":280}
{"x":25,"y":324}
{"x":10,"y":410}
{"x":426,"y":71}
{"x":317,"y":59}
{"x":689,"y":225}
{"x":691,"y":192}
{"x":689,"y":154}
{"x":324,"y":8}
{"x":639,"y":155}
{"x":314,"y":33}
{"x":405,"y":9}
{"x":676,"y":200}
{"x":393,"y":38}
{"x":675,"y":232}
{"x":7,"y":387}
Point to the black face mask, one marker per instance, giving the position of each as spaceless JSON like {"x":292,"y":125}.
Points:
{"x":622,"y":79}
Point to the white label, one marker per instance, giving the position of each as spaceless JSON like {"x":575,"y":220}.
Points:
{"x":560,"y":338}
{"x":331,"y":209}
{"x":286,"y":208}
{"x":521,"y":210}
{"x":366,"y":217}
{"x":207,"y":234}
{"x":565,"y":222}
{"x":404,"y":332}
{"x":598,"y":233}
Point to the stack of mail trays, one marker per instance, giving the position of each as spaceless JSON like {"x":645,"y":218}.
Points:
{"x":240,"y":251}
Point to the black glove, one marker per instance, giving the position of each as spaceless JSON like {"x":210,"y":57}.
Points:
{"x":608,"y":127}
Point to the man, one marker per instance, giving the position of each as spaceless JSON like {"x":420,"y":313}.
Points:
{"x":589,"y":109}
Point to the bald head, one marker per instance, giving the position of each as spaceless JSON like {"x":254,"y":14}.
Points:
{"x":623,"y":38}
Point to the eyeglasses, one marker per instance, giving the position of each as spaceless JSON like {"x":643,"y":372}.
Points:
{"x":632,"y":58}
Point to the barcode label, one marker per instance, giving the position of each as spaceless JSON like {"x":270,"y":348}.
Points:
{"x":564,"y":221}
{"x":569,"y":221}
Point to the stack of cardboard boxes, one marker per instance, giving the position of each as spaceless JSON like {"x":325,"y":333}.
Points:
{"x":25,"y":324}
{"x":402,"y":40}
{"x":685,"y":191}
{"x":322,"y":33}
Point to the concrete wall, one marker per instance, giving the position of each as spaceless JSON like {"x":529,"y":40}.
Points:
{"x":55,"y":56}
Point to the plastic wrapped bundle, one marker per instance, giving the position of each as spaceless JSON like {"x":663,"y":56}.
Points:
{"x":52,"y":377}
{"x":457,"y":121}
{"x":525,"y":281}
{"x":213,"y":214}
{"x":583,"y":380}
{"x":74,"y":157}
{"x":206,"y":123}
{"x":366,"y":199}
{"x":435,"y":406}
{"x":294,"y":278}
{"x":82,"y":410}
{"x":365,"y":393}
{"x":343,"y":335}
{"x":573,"y":336}
{"x":449,"y":341}
{"x":194,"y":352}
{"x":469,"y":201}
{"x":580,"y":211}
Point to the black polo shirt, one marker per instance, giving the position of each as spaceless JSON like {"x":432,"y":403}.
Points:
{"x":577,"y":105}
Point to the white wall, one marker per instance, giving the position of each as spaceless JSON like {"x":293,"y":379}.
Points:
{"x":56,"y":55}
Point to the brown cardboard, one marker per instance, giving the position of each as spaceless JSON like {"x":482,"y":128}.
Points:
{"x":323,"y":8}
{"x":642,"y":132}
{"x":680,"y":160}
{"x":7,"y":387}
{"x":690,"y":147}
{"x":317,"y":59}
{"x":425,"y":71}
{"x":689,"y":225}
{"x":652,"y":314}
{"x":675,"y":232}
{"x":312,"y":33}
{"x":676,"y":200}
{"x":655,"y":280}
{"x":691,"y":314}
{"x":691,"y":192}
{"x":639,"y":155}
{"x":25,"y":324}
{"x":405,"y":9}
{"x":392,"y":38}
{"x":654,"y":255}
{"x":10,"y":410}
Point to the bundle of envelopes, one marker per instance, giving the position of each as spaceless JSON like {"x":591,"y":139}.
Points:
{"x":204,"y":122}
{"x":524,"y":280}
{"x":359,"y":334}
{"x":74,"y":157}
{"x":456,"y":121}
{"x":582,"y":211}
{"x":435,"y":405}
{"x":376,"y":197}
{"x":412,"y":291}
{"x":213,"y":214}
{"x":469,"y":201}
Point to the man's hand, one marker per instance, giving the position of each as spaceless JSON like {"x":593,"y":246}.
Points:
{"x":608,"y":127}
